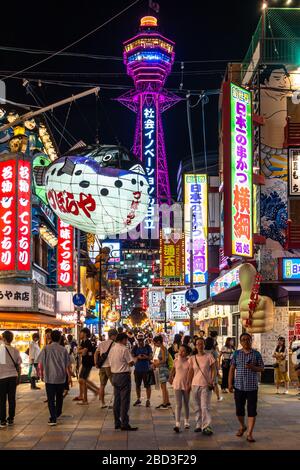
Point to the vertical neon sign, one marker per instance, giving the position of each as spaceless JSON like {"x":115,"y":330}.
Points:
{"x":8,"y":215}
{"x":24,"y":215}
{"x":149,"y":141}
{"x":196,"y":201}
{"x":65,"y":254}
{"x":241,"y":171}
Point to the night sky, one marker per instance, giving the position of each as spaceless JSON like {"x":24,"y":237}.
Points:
{"x":214,"y":30}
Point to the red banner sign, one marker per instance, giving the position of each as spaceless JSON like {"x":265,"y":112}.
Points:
{"x":8,"y":215}
{"x":65,"y":254}
{"x":24,"y":216}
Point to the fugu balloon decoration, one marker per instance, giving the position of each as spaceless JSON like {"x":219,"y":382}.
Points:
{"x":98,"y":189}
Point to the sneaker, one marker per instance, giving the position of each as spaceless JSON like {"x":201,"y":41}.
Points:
{"x":286,"y":392}
{"x":129,"y":428}
{"x":198,"y":430}
{"x":148,"y":404}
{"x":186,"y":425}
{"x":138,"y":402}
{"x":169,"y":405}
{"x":52,"y":423}
{"x":207,"y":431}
{"x":3,"y":425}
{"x":162,"y":407}
{"x":220,"y":399}
{"x":10,"y":422}
{"x":176,"y":429}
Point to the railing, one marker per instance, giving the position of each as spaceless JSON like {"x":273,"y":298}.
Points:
{"x":292,"y":236}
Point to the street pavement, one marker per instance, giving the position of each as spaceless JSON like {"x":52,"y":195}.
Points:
{"x":90,"y":428}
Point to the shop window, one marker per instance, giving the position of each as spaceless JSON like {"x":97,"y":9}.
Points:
{"x":40,"y":252}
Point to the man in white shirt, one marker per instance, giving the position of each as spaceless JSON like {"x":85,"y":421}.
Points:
{"x":104,"y":371}
{"x":121,"y":361}
{"x":34,"y":352}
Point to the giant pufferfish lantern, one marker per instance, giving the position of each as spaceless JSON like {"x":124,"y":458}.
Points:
{"x":98,"y":189}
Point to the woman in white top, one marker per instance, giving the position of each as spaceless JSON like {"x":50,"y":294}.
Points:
{"x":225,"y":360}
{"x":10,"y":370}
{"x":34,"y":352}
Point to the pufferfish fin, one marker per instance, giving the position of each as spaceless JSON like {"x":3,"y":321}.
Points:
{"x":137,"y":169}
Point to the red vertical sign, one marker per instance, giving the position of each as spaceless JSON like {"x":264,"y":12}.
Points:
{"x":8,"y":215}
{"x":24,"y":216}
{"x":65,"y":254}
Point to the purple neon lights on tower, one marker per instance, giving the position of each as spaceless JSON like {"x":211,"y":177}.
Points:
{"x":149,"y":57}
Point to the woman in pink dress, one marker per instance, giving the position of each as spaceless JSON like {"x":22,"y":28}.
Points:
{"x":179,"y":380}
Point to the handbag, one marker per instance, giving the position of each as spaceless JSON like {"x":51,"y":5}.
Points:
{"x":102,"y":358}
{"x":210,"y":387}
{"x":16,"y":366}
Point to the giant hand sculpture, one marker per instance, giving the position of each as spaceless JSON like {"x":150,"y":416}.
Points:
{"x":262,"y":319}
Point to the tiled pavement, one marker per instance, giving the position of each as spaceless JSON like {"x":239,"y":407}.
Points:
{"x":89,"y":427}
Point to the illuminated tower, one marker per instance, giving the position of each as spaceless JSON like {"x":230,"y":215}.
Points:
{"x":149,"y":57}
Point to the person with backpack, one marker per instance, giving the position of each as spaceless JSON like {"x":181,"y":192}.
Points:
{"x":142,"y":371}
{"x":246,"y":363}
{"x":162,"y":362}
{"x":102,"y":363}
{"x":10,"y":371}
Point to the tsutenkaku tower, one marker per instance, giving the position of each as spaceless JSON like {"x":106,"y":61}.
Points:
{"x":149,"y":57}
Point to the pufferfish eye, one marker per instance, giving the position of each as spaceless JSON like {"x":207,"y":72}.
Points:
{"x":107,"y":157}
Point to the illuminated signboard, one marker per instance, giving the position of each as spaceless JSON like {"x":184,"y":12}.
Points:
{"x":24,"y":216}
{"x":15,"y":215}
{"x":294,"y":172}
{"x":176,"y":306}
{"x":155,"y":296}
{"x":115,"y":251}
{"x":65,"y":254}
{"x":149,"y":128}
{"x":291,"y":268}
{"x":228,"y":280}
{"x":195,"y":201}
{"x":238,"y":193}
{"x":171,"y":259}
{"x":8,"y":215}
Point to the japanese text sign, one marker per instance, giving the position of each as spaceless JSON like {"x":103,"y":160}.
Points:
{"x":149,"y":144}
{"x":155,"y":296}
{"x":176,"y":306}
{"x":16,"y":296}
{"x":294,"y":172}
{"x":8,"y":214}
{"x":65,"y":254}
{"x":171,"y":259}
{"x":24,"y":216}
{"x":196,"y":205}
{"x":238,"y":192}
{"x":291,"y":268}
{"x":228,"y":280}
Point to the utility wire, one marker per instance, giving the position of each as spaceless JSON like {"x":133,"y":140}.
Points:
{"x":66,"y":120}
{"x":75,"y":42}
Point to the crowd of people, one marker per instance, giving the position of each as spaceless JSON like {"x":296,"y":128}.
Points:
{"x":191,"y":366}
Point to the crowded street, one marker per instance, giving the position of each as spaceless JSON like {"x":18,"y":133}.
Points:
{"x":90,"y":428}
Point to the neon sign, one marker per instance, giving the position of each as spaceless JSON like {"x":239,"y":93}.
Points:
{"x":149,"y":157}
{"x":195,"y":201}
{"x":24,"y":216}
{"x":228,"y":280}
{"x":65,"y":257}
{"x":8,"y":215}
{"x":291,"y":268}
{"x":152,"y":56}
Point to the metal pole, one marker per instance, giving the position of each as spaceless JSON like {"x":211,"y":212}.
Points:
{"x":50,"y":107}
{"x":100,"y":294}
{"x":191,"y":273}
{"x":78,"y":273}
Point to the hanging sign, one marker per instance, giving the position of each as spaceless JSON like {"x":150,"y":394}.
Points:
{"x":65,"y":254}
{"x":294,"y":172}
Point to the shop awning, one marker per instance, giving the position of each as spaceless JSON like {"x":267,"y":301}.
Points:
{"x":20,"y":318}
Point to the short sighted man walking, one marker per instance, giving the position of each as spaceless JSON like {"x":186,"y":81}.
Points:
{"x":55,"y":362}
{"x":246,"y":363}
{"x":103,"y":350}
{"x":143,"y":354}
{"x":121,"y":361}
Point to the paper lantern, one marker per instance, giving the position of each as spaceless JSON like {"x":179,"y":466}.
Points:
{"x":98,"y":189}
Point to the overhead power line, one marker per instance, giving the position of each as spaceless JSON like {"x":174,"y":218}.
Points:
{"x":74,"y":42}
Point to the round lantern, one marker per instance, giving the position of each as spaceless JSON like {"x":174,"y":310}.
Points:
{"x":98,"y":189}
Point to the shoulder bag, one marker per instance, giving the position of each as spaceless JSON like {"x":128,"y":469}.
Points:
{"x":102,"y":358}
{"x":16,"y":366}
{"x":210,"y":387}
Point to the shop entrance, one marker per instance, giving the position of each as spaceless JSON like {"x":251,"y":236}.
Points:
{"x":294,"y":213}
